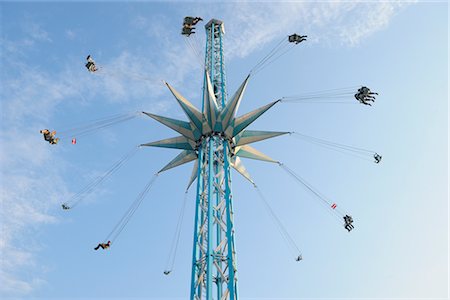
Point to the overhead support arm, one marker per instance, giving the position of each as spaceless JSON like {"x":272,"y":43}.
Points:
{"x":243,"y":121}
{"x":182,"y":158}
{"x":182,"y":127}
{"x":210,"y":108}
{"x":179,"y":142}
{"x":229,"y":112}
{"x":194,"y":175}
{"x":191,"y":112}
{"x":252,"y":136}
{"x":250,"y":152}
{"x":237,"y":164}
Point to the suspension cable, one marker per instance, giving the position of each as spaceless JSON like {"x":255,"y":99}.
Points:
{"x":327,"y":96}
{"x":120,"y":74}
{"x":199,"y":48}
{"x":268,"y":56}
{"x":294,"y":249}
{"x":345,"y":149}
{"x":122,"y":223}
{"x":86,"y":190}
{"x":196,"y":52}
{"x":98,"y":124}
{"x":335,"y":212}
{"x":176,"y":238}
{"x":328,"y":91}
{"x":275,"y":57}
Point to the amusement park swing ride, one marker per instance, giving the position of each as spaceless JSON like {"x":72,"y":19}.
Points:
{"x":216,"y":139}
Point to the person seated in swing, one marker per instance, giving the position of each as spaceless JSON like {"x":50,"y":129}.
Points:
{"x":367,"y":94}
{"x":348,"y":223}
{"x":360,"y":97}
{"x":65,"y":206}
{"x":187,"y":30}
{"x":49,"y":136}
{"x":377,"y":158}
{"x":191,"y":21}
{"x":366,"y":91}
{"x":295,"y":38}
{"x":167,"y":272}
{"x":90,"y":65}
{"x":103,"y":245}
{"x":299,"y":258}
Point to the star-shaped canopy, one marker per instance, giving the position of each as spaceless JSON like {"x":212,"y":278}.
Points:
{"x":212,"y":120}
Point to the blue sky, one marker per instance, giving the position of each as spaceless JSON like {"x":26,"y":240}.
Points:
{"x":399,"y":248}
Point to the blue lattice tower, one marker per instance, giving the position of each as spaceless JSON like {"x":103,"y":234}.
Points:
{"x":215,"y":139}
{"x":213,"y":260}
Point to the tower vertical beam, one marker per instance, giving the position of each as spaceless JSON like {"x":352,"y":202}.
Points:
{"x":210,"y":250}
{"x":218,"y":169}
{"x":222,"y":72}
{"x":232,"y":283}
{"x":196,"y":250}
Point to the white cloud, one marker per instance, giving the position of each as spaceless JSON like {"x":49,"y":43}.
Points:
{"x":37,"y":33}
{"x":26,"y":204}
{"x":13,"y":286}
{"x":250,"y":26}
{"x":70,"y":34}
{"x":34,"y":33}
{"x":376,"y":17}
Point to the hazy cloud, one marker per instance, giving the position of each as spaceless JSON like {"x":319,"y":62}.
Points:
{"x":250,"y":26}
{"x":34,"y":33}
{"x":70,"y":34}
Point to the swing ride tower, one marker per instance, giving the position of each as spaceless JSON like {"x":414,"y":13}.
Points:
{"x":215,"y":139}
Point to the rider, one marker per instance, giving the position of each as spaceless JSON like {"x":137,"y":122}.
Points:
{"x":377,"y":158}
{"x":103,"y":245}
{"x":295,"y":38}
{"x":367,"y":94}
{"x":49,"y":136}
{"x":360,"y":97}
{"x":191,"y":21}
{"x":366,"y":91}
{"x":187,"y":30}
{"x":188,"y":25}
{"x":90,"y":65}
{"x":348,"y":223}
